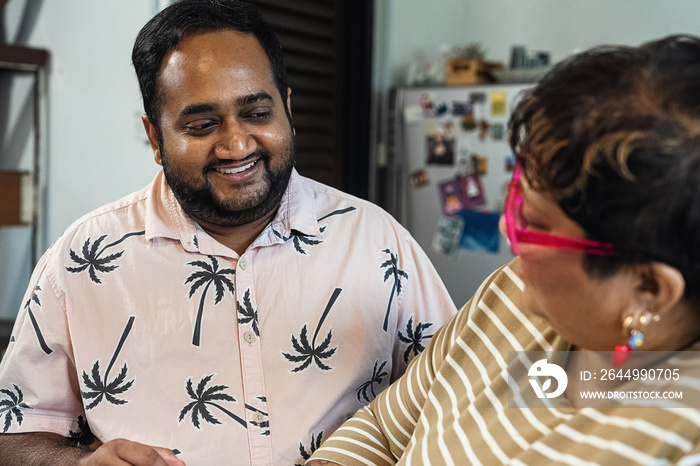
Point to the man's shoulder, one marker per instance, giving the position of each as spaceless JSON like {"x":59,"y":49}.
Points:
{"x":113,"y":217}
{"x":114,"y":209}
{"x":329,"y":199}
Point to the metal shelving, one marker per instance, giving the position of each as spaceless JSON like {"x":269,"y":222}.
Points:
{"x":33,"y":61}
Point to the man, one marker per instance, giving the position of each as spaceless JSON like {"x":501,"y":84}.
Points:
{"x":232,"y":312}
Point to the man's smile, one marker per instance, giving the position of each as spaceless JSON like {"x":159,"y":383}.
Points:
{"x":228,"y":171}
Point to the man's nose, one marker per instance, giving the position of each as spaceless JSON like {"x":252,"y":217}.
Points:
{"x":235,"y":141}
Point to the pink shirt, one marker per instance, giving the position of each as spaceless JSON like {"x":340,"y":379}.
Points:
{"x":141,"y":324}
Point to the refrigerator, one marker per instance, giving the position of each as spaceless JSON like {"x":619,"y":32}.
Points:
{"x":448,"y":168}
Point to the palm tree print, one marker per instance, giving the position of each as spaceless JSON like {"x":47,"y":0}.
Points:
{"x":35,"y":324}
{"x":203,"y":398}
{"x":378,"y":374}
{"x":11,"y":406}
{"x":307,"y":353}
{"x":394,"y":272}
{"x":300,"y":239}
{"x":92,"y":259}
{"x":264,"y":425}
{"x":100,"y":388}
{"x":315,"y":444}
{"x":209,"y":274}
{"x":247,"y":314}
{"x":414,"y":338}
{"x":84,"y":435}
{"x":337,"y":212}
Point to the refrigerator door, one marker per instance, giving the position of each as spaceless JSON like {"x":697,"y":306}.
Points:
{"x":478,"y":117}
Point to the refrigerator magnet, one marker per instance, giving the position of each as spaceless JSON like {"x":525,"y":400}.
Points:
{"x":497,"y":131}
{"x":480,"y":231}
{"x":426,"y":104}
{"x":471,"y":193}
{"x":420,"y":178}
{"x":483,"y":129}
{"x":468,"y":122}
{"x":448,"y":235}
{"x":498,"y":103}
{"x":412,"y":114}
{"x":441,"y":109}
{"x":477,"y":97}
{"x":479,"y":165}
{"x":461,"y":108}
{"x":449,"y":196}
{"x":440,"y":139}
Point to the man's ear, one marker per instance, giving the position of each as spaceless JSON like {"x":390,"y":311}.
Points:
{"x":152,"y":138}
{"x":289,"y":109}
{"x":661,"y":285}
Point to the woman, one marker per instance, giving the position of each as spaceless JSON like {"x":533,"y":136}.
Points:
{"x":602,"y":212}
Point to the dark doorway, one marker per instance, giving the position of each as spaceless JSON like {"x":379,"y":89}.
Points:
{"x":328,"y":50}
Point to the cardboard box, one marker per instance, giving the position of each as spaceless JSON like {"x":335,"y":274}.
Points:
{"x":461,"y":71}
{"x":15,"y":197}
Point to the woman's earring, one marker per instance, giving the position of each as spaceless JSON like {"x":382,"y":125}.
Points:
{"x":635,"y":337}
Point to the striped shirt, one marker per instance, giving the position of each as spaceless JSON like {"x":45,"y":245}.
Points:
{"x":452,"y":405}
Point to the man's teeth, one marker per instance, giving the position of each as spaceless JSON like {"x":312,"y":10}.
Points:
{"x":228,"y":171}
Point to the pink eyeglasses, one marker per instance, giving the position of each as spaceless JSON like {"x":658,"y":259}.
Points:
{"x":516,"y":228}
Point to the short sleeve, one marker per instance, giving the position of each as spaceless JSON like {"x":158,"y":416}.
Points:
{"x":39,"y":389}
{"x":424,"y":304}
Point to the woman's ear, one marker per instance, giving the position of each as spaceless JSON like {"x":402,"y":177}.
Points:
{"x":661,"y":286}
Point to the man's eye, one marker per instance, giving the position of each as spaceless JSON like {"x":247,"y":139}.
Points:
{"x":198,"y":128}
{"x":259,"y":116}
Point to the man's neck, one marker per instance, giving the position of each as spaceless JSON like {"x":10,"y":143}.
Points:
{"x":239,"y":237}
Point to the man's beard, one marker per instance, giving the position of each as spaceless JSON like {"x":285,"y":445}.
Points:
{"x":201,"y":203}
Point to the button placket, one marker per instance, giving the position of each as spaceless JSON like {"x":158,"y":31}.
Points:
{"x":251,"y":366}
{"x":249,"y":336}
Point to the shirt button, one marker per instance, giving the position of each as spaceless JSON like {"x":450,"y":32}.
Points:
{"x":258,"y":417}
{"x":242,"y":263}
{"x":249,"y":336}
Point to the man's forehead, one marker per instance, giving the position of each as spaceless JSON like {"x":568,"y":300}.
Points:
{"x":207,"y":49}
{"x":216,"y":63}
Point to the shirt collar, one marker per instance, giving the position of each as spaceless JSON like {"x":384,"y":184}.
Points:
{"x":165,"y":217}
{"x":297,"y":212}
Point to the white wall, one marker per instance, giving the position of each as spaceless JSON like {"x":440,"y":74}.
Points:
{"x":414,"y":28}
{"x":97,"y":150}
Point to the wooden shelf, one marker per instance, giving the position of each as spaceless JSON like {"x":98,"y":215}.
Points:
{"x":18,"y":57}
{"x":16,"y":195}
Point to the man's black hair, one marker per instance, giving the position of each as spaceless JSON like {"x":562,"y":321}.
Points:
{"x":186,"y":17}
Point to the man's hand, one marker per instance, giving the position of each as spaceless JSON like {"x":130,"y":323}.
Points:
{"x":123,"y":452}
{"x":45,"y":448}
